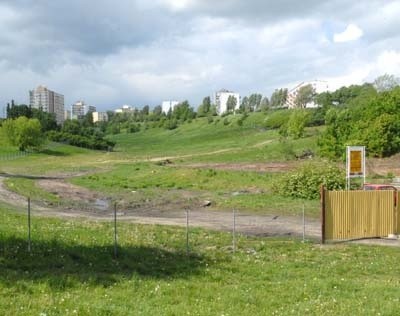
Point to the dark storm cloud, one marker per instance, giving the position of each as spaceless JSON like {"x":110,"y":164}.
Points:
{"x":270,"y":11}
{"x":87,"y":28}
{"x":114,"y":52}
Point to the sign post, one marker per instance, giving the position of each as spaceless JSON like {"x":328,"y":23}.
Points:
{"x":355,"y":164}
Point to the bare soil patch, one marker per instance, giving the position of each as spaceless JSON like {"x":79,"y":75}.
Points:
{"x":84,"y":203}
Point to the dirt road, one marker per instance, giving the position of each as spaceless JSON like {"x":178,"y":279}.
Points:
{"x":91,"y":205}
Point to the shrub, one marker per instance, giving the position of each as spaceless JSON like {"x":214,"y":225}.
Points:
{"x":277,"y":119}
{"x":171,"y":124}
{"x":306,"y":181}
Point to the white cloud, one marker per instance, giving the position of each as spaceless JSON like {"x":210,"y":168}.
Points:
{"x":351,"y":33}
{"x":141,"y":52}
{"x":352,"y":76}
{"x":177,"y":5}
{"x":388,"y":62}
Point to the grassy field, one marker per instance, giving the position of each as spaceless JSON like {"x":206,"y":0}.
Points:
{"x":133,"y":165}
{"x":71,"y":271}
{"x":215,"y":142}
{"x":242,"y":190}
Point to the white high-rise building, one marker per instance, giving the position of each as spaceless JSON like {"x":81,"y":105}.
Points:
{"x":126,"y":108}
{"x":100,"y":117}
{"x":221,"y":100}
{"x":319,"y":87}
{"x":166,"y":106}
{"x":79,"y":109}
{"x":48,"y":101}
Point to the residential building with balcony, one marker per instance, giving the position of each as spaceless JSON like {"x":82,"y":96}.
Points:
{"x":48,"y":101}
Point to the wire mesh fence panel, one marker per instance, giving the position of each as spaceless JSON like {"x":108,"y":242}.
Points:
{"x":301,"y":225}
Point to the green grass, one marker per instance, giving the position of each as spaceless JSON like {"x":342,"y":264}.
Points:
{"x":71,"y":271}
{"x":120,"y":172}
{"x":28,"y":188}
{"x":243,"y":190}
{"x":201,"y":141}
{"x":54,"y":160}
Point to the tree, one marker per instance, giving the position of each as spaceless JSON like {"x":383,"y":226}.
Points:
{"x":244,"y":105}
{"x":264,"y":105}
{"x":8,"y":110}
{"x":47,"y":120}
{"x":157,"y":110}
{"x":278,"y":97}
{"x":297,"y":123}
{"x":254,"y":102}
{"x":231,"y":104}
{"x":206,"y":104}
{"x":16,"y":111}
{"x":368,"y":119}
{"x":24,"y":133}
{"x":204,"y":108}
{"x":183,"y":112}
{"x":145,"y":111}
{"x":304,"y":96}
{"x":386,"y":83}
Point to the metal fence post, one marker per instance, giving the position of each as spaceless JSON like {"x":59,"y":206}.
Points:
{"x":115,"y":231}
{"x":234,"y":232}
{"x":304,"y":224}
{"x":322,"y":192}
{"x":187,"y":231}
{"x":29,"y":224}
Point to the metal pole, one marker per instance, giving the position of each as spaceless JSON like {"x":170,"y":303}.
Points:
{"x":234,"y":232}
{"x":29,"y":224}
{"x":322,"y":214}
{"x":304,"y":224}
{"x":115,"y":231}
{"x":187,"y":231}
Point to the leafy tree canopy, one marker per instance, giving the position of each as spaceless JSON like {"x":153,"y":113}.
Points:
{"x":24,"y":133}
{"x":304,"y":96}
{"x":386,"y":82}
{"x":370,"y":119}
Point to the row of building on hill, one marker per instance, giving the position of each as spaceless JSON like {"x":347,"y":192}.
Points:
{"x":53,"y":102}
{"x":221,"y":98}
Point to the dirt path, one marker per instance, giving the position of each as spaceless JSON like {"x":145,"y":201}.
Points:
{"x":259,"y":167}
{"x":84,"y":204}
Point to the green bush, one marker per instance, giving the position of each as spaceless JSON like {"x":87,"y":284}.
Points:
{"x":306,"y":181}
{"x":277,"y":119}
{"x":171,"y":124}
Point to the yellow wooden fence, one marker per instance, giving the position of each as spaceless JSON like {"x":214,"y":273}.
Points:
{"x":359,"y":214}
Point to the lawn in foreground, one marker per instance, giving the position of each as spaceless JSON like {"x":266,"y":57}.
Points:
{"x":71,"y":271}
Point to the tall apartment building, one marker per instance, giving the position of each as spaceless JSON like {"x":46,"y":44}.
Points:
{"x":319,"y":86}
{"x":166,"y":106}
{"x":100,"y":117}
{"x":79,"y":109}
{"x":221,"y":99}
{"x":49,"y":101}
{"x":126,"y":108}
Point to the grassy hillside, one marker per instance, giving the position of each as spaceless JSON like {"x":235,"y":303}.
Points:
{"x":71,"y":271}
{"x":136,"y":165}
{"x":203,"y":141}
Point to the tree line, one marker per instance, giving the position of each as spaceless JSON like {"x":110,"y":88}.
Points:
{"x":357,"y":115}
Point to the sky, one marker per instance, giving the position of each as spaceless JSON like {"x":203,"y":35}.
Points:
{"x":138,"y":52}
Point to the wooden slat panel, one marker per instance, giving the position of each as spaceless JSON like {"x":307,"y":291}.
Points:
{"x":360,"y":214}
